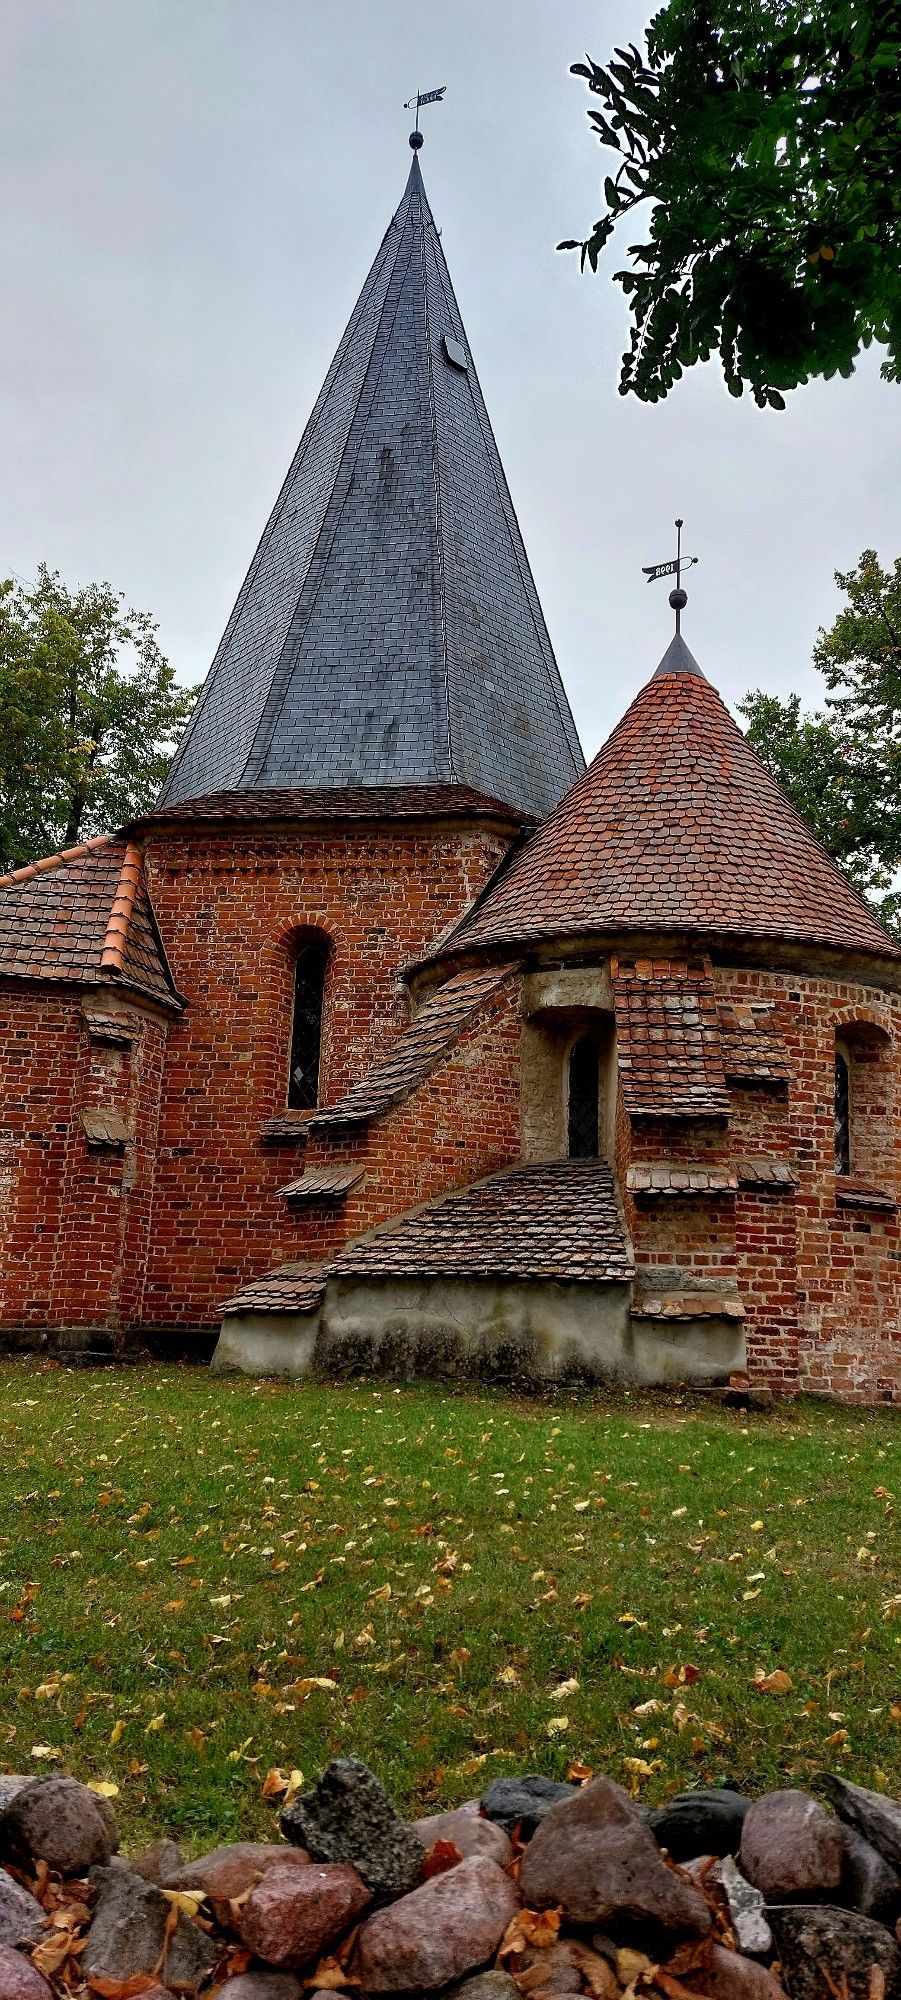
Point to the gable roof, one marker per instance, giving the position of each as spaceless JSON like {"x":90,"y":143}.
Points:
{"x":675,"y":827}
{"x":85,"y":915}
{"x":388,"y":631}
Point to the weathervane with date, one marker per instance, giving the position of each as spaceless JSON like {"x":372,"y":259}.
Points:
{"x":678,"y":598}
{"x":422,"y":97}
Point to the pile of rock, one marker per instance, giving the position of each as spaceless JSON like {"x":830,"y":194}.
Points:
{"x":538,"y":1891}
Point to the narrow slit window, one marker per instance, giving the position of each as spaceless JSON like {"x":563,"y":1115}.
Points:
{"x":842,"y":1114}
{"x":306,"y":1031}
{"x":584,"y":1099}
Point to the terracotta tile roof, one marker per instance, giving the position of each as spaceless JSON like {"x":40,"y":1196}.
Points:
{"x":105,"y":1127}
{"x":690,"y":1177}
{"x":686,"y":1305}
{"x":440,"y":1020}
{"x":322,"y":1184}
{"x":765,"y":1173}
{"x":753,"y":1050}
{"x":356,"y":802}
{"x":668,"y":1038}
{"x":676,"y":826}
{"x":558,"y":1221}
{"x":287,"y":1128}
{"x":84,"y":915}
{"x":291,"y":1288}
{"x":860,"y":1194}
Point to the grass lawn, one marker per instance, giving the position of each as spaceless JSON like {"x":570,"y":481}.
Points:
{"x":203,"y":1578}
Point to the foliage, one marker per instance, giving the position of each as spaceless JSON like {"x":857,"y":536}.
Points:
{"x":766,"y":135}
{"x":842,"y":767}
{"x":208,"y":1579}
{"x":88,"y":713}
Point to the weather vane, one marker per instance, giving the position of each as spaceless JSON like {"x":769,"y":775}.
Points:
{"x":422,"y":97}
{"x":678,"y":598}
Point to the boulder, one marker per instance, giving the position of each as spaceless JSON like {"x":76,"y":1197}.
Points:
{"x":293,"y":1914}
{"x":523,"y":1802}
{"x":348,"y":1817}
{"x":228,"y":1871}
{"x":594,"y":1857}
{"x":59,"y":1821}
{"x":791,"y":1848}
{"x":128,"y":1935}
{"x":868,"y":1881}
{"x":446,"y":1928}
{"x":878,"y":1818}
{"x":263,"y":1986}
{"x":747,"y":1910}
{"x":731,"y":1976}
{"x":18,"y":1979}
{"x":823,"y":1949}
{"x":161,"y":1863}
{"x":469,"y":1832}
{"x":21,"y":1915}
{"x":707,"y":1822}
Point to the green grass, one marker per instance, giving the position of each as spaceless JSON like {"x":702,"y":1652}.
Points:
{"x":181,"y":1553}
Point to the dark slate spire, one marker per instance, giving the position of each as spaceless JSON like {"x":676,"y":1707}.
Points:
{"x":388,"y":631}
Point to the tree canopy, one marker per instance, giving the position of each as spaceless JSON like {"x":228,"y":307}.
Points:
{"x":764,"y":136}
{"x":842,"y":765}
{"x":89,"y":710}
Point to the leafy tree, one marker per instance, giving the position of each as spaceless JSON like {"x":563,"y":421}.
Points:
{"x":842,"y":765}
{"x":766,"y":136}
{"x":89,"y":709}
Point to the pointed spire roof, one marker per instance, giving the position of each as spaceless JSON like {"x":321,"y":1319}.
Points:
{"x":388,"y":631}
{"x":676,"y":827}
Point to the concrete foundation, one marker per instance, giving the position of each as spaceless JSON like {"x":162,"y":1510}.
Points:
{"x":538,"y":1330}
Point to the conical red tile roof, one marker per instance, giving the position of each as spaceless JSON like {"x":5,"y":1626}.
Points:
{"x":675,"y":827}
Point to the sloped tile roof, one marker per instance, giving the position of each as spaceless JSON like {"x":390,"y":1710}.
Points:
{"x":753,"y":1049}
{"x":84,"y":915}
{"x":432,"y":1032}
{"x":557,"y":1221}
{"x":851,"y":1193}
{"x":351,"y":802}
{"x":687,"y":1177}
{"x":668,"y":1038}
{"x":388,"y":630}
{"x":322,"y":1184}
{"x":676,"y":826}
{"x":765,"y":1173}
{"x":290,"y":1288}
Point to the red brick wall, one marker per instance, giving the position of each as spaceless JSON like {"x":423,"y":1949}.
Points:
{"x":73,"y":1221}
{"x":229,"y":905}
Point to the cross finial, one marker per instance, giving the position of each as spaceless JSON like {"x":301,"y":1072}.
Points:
{"x":422,"y":97}
{"x":678,"y":598}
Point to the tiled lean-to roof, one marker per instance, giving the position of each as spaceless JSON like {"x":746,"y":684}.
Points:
{"x":754,"y":1051}
{"x":354,"y":802}
{"x":432,"y":1032}
{"x":675,"y":827}
{"x":388,"y":632}
{"x":84,"y":915}
{"x":668,"y":1038}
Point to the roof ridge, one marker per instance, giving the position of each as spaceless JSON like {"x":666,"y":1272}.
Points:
{"x":112,"y":956}
{"x":58,"y":860}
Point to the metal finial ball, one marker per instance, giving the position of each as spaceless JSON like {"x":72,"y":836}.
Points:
{"x":416,"y":141}
{"x":678,"y":599}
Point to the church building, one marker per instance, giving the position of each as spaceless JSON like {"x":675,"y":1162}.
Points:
{"x":395,"y":1036}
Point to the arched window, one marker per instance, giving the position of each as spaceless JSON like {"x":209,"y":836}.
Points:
{"x":306,"y":1029}
{"x":842,"y":1113}
{"x":584,"y":1075}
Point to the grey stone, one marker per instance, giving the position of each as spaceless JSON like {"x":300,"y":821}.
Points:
{"x":294,"y":1914}
{"x":868,"y":1881}
{"x":444,"y":1929}
{"x":128,"y":1935}
{"x":263,"y":1986}
{"x":348,"y":1817}
{"x":747,"y":1909}
{"x":594,"y":1856}
{"x":9,"y":1786}
{"x":468,"y":1830}
{"x":874,"y":1815}
{"x":18,"y":1979}
{"x":21,"y":1915}
{"x":495,"y":1985}
{"x":59,"y":1821}
{"x":523,"y":1802}
{"x":161,"y":1863}
{"x":823,"y":1950}
{"x":707,"y":1822}
{"x":791,"y":1848}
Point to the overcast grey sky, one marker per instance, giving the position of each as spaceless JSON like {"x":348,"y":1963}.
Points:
{"x":192,"y":193}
